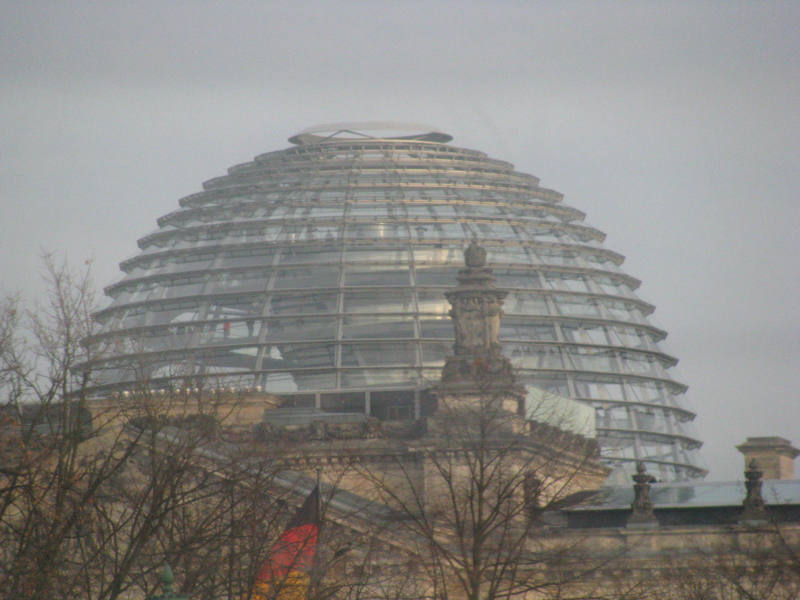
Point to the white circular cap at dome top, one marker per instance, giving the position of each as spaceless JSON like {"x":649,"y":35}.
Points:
{"x":380,"y":130}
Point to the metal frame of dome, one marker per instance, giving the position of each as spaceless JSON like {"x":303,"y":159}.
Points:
{"x":320,"y":271}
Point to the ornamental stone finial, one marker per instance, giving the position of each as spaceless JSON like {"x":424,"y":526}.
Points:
{"x":167,"y":579}
{"x":475,"y":255}
{"x":642,"y":515}
{"x":755,"y":509}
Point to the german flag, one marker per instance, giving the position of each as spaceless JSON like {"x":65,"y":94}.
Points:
{"x":285,"y":575}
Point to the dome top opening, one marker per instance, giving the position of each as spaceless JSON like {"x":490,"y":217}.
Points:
{"x":370,"y":130}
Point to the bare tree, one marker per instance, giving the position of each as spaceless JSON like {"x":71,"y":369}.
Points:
{"x":96,"y":494}
{"x":466,"y":488}
{"x":760,"y":562}
{"x":469,"y":496}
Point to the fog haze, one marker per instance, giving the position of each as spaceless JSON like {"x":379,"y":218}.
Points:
{"x":673,"y":125}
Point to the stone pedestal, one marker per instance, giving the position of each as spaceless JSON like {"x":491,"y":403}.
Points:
{"x":774,"y":455}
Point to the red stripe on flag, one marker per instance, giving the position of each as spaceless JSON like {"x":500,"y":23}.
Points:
{"x":295,"y":549}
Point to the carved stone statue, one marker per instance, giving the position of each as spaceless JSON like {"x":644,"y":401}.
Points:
{"x":477,"y":323}
{"x":642,"y":515}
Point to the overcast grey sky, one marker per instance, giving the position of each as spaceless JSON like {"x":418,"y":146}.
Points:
{"x":673,"y":125}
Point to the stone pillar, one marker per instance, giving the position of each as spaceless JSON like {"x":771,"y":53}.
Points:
{"x":774,"y":455}
{"x":477,"y":365}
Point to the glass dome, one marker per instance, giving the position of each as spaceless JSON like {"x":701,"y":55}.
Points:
{"x":319,"y":271}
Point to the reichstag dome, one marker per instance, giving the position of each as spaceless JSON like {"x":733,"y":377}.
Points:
{"x":318,"y":272}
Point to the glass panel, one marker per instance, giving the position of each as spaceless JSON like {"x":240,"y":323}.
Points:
{"x":377,"y":276}
{"x":275,"y":212}
{"x":443,"y":210}
{"x":542,"y":234}
{"x":379,"y":354}
{"x":590,"y":359}
{"x":164,"y":313}
{"x":380,"y":378}
{"x":232,"y":329}
{"x":377,"y":230}
{"x":480,"y":210}
{"x":250,"y":258}
{"x":612,"y":287}
{"x":512,"y":278}
{"x":323,"y":380}
{"x":555,"y":384}
{"x":441,"y":328}
{"x":436,"y":353}
{"x":641,"y":364}
{"x":520,"y":303}
{"x":186,"y":262}
{"x":510,"y":254}
{"x":577,"y":235}
{"x":555,"y":257}
{"x":304,"y":357}
{"x":577,"y":306}
{"x":437,"y":230}
{"x":452,"y":230}
{"x":238,"y":305}
{"x":378,"y":302}
{"x":314,"y":303}
{"x":329,"y":210}
{"x":324,"y":232}
{"x":633,"y":338}
{"x":368,"y":210}
{"x":423,"y":231}
{"x":176,"y":290}
{"x":244,"y":281}
{"x":310,"y":254}
{"x":526,"y":330}
{"x":493,"y":231}
{"x":287,"y":330}
{"x":586,"y":333}
{"x":623,"y":312}
{"x":432,"y":301}
{"x":435,"y":275}
{"x":440,"y":253}
{"x":419,"y":210}
{"x":567,"y":282}
{"x":377,"y":252}
{"x":300,"y":231}
{"x":527,"y":356}
{"x":645,"y":391}
{"x":598,"y":389}
{"x":378,"y":327}
{"x":306,"y":278}
{"x":125,"y":296}
{"x":527,"y":213}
